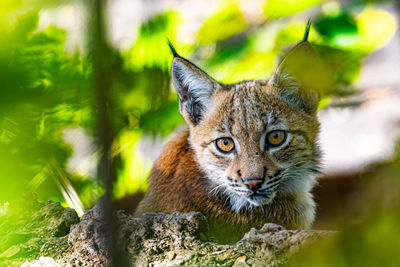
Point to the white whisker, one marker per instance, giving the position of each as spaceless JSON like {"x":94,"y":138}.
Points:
{"x":214,"y":191}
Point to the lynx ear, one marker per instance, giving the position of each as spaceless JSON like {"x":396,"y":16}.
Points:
{"x":194,"y":88}
{"x":302,"y":77}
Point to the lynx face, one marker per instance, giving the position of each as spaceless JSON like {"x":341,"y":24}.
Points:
{"x":255,"y":140}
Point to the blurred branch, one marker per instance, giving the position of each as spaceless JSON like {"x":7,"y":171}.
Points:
{"x":102,"y":81}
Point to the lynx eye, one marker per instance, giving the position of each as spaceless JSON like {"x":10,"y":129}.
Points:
{"x":276,"y":138}
{"x":225,"y":144}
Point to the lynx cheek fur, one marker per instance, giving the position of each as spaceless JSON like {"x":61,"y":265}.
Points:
{"x":250,"y":154}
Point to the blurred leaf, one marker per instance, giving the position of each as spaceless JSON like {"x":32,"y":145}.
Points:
{"x":376,"y":27}
{"x":40,"y":96}
{"x":282,"y":8}
{"x":6,"y":6}
{"x":324,"y":102}
{"x":341,"y":29}
{"x":51,"y":36}
{"x":369,"y":236}
{"x":291,"y":33}
{"x":151,"y":49}
{"x":48,"y":3}
{"x":132,"y":177}
{"x":368,"y":31}
{"x":224,"y":23}
{"x":162,"y":121}
{"x":26,"y":25}
{"x":346,"y":65}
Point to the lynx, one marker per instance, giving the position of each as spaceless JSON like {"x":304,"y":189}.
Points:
{"x":250,"y":153}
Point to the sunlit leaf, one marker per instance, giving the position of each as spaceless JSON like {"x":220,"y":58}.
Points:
{"x":324,"y":102}
{"x":283,"y":8}
{"x":151,"y":49}
{"x":223,"y":24}
{"x":6,"y":6}
{"x":291,"y":33}
{"x":132,"y":177}
{"x":376,"y":27}
{"x":341,"y":29}
{"x":368,"y":31}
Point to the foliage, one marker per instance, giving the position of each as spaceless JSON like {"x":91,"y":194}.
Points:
{"x":274,"y":8}
{"x":43,"y":92}
{"x":370,"y":236}
{"x":226,"y":22}
{"x":47,"y":92}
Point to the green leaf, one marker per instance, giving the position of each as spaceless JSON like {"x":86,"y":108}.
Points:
{"x":340,"y":29}
{"x":223,"y":24}
{"x":376,"y":27}
{"x":26,"y":25}
{"x":151,"y":49}
{"x":282,"y":8}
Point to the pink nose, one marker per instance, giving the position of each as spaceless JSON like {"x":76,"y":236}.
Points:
{"x":253,"y":183}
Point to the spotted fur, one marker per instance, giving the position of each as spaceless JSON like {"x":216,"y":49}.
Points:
{"x":193,"y":175}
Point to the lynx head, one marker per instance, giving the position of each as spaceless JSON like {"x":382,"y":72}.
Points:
{"x":255,"y":140}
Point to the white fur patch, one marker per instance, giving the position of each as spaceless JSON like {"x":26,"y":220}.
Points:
{"x":198,"y":86}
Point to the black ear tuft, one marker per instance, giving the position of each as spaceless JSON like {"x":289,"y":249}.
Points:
{"x":307,"y":32}
{"x":173,"y":51}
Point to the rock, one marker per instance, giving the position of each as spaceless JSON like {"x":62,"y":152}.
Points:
{"x":240,"y":262}
{"x":158,"y":239}
{"x":155,"y":239}
{"x":225,"y":255}
{"x":170,"y":255}
{"x":42,"y":262}
{"x":31,"y":229}
{"x":87,"y":243}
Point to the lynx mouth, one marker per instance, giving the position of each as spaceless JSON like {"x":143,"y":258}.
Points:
{"x":241,"y":198}
{"x":249,"y":201}
{"x":261,"y":198}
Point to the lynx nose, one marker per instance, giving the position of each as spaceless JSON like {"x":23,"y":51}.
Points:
{"x":253,"y":183}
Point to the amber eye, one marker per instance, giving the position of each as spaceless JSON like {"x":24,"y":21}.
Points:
{"x":225,"y":144}
{"x":276,"y":138}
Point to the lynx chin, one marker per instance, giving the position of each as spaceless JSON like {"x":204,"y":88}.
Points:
{"x":250,"y":154}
